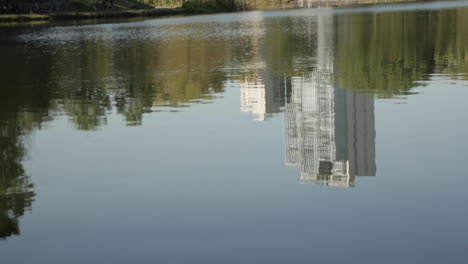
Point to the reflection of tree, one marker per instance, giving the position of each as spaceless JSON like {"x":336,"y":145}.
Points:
{"x":24,"y":106}
{"x":451,"y":38}
{"x":15,"y":187}
{"x":291,"y":46}
{"x":387,"y":53}
{"x":384,"y":53}
{"x":381,"y":53}
{"x":135,"y":78}
{"x":173,"y":73}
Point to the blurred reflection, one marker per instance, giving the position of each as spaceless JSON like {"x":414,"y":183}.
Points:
{"x":323,"y":71}
{"x":387,"y":54}
{"x":24,"y":107}
{"x":132,"y":71}
{"x":329,"y":131}
{"x":15,"y":187}
{"x":263,"y":95}
{"x":16,"y":193}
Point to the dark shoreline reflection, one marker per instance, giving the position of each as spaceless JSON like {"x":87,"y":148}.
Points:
{"x":322,"y":71}
{"x":16,"y":195}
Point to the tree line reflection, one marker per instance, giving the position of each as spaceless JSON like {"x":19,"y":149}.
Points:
{"x":305,"y":67}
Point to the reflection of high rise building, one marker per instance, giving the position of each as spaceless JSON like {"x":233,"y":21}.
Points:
{"x":329,"y":131}
{"x":310,"y":130}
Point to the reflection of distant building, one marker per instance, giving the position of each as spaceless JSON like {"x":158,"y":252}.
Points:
{"x":263,"y":95}
{"x":329,"y":131}
{"x":275,"y":93}
{"x":253,"y":97}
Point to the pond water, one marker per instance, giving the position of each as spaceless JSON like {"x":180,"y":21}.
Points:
{"x":314,"y":135}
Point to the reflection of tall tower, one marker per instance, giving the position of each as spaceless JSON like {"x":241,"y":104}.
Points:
{"x":310,"y":130}
{"x":329,"y":131}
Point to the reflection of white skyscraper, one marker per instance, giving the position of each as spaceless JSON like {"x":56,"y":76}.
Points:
{"x":310,"y":118}
{"x":263,"y":95}
{"x":310,"y":130}
{"x":253,"y":97}
{"x":329,"y":131}
{"x":252,"y":88}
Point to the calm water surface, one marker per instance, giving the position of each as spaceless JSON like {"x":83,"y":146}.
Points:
{"x":300,"y":136}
